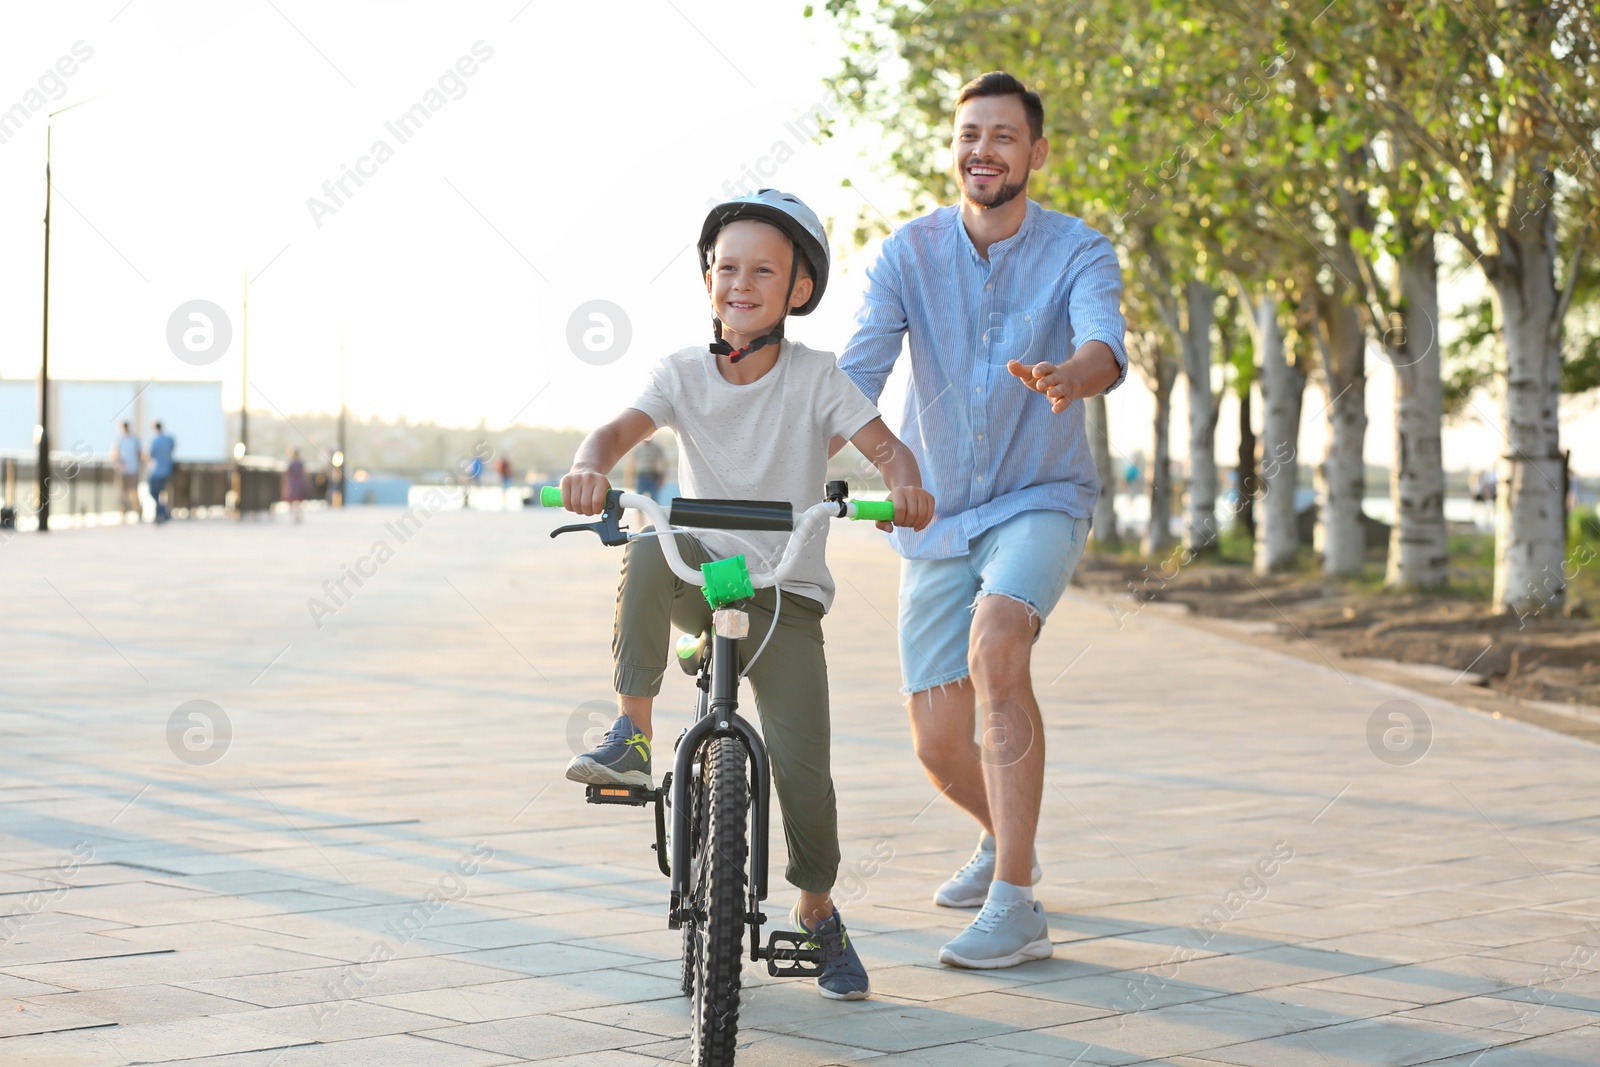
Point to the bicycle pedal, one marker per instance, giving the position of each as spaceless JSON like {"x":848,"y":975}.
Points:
{"x":789,"y":957}
{"x":634,"y":795}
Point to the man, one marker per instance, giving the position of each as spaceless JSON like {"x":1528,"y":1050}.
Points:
{"x":651,"y":463}
{"x":127,"y":460}
{"x":1001,"y":299}
{"x":161,"y":449}
{"x":502,"y":467}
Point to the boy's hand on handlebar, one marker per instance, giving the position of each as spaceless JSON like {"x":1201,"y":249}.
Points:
{"x":584,"y":491}
{"x":913,"y":507}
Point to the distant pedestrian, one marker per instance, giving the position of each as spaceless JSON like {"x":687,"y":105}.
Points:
{"x":502,"y":467}
{"x":474,"y":473}
{"x":651,"y":466}
{"x":294,"y":483}
{"x":127,"y":460}
{"x":161,"y":448}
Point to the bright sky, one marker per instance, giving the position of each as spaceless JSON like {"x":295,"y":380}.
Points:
{"x":568,"y":156}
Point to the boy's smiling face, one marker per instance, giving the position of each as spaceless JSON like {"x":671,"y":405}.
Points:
{"x":749,"y":275}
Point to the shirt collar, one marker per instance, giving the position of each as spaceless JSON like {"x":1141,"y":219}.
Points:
{"x":1028,"y":222}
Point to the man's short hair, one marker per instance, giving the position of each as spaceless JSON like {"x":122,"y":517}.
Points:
{"x":999,"y":83}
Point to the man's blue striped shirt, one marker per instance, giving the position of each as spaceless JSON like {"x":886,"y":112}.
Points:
{"x":989,"y":447}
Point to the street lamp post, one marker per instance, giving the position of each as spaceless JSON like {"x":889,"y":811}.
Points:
{"x":341,"y":456}
{"x":244,"y":371}
{"x":42,"y":431}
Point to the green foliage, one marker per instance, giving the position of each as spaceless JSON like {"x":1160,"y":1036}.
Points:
{"x":1468,"y":361}
{"x":1580,"y":369}
{"x":1583,"y":526}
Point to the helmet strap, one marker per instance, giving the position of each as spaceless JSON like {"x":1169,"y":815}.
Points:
{"x":719,"y":347}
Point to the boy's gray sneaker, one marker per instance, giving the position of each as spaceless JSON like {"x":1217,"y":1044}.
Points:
{"x":1003,"y":935}
{"x":843,"y":976}
{"x":969,"y":887}
{"x":623,"y":758}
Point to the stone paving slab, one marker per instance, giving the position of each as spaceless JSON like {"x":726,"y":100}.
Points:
{"x":383,"y":864}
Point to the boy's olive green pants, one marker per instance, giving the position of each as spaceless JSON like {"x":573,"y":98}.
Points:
{"x":790,"y":681}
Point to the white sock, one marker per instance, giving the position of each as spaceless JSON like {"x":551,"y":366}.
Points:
{"x":1006,"y":893}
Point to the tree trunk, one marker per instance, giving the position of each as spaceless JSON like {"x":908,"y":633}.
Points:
{"x":1158,"y":535}
{"x":1530,"y":541}
{"x":1341,"y":477}
{"x":1200,"y":532}
{"x":1282,"y":387}
{"x":1098,"y":428}
{"x":1244,"y":517}
{"x":1418,"y":543}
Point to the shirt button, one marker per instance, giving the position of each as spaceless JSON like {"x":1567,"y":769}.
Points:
{"x":980,"y":437}
{"x":986,"y":288}
{"x":977,"y":389}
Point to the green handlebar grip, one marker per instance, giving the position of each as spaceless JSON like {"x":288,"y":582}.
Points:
{"x":550,"y":496}
{"x":874,"y":510}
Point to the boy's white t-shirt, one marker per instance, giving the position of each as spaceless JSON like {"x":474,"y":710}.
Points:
{"x":764,"y":441}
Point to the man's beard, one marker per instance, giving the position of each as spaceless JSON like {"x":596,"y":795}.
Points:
{"x":1001,"y":196}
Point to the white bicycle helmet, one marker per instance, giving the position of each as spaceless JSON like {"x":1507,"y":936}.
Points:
{"x":799,"y":223}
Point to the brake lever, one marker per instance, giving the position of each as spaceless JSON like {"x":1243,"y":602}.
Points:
{"x":609,"y":529}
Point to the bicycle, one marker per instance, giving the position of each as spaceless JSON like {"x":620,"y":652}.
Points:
{"x":715,"y":853}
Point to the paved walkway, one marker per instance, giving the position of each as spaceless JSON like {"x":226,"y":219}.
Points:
{"x":384,"y":866}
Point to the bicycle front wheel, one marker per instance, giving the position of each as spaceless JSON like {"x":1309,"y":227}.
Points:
{"x":718,"y":878}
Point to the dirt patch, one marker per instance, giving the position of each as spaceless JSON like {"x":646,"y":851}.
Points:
{"x":1545,"y":658}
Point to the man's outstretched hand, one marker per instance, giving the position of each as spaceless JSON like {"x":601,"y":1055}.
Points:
{"x":1051,"y":379}
{"x":1091,"y":370}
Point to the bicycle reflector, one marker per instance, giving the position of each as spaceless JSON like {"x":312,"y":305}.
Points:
{"x":727,"y":581}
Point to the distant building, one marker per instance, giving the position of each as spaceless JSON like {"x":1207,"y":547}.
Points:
{"x":89,"y":413}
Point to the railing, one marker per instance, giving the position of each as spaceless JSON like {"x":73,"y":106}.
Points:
{"x":85,"y":489}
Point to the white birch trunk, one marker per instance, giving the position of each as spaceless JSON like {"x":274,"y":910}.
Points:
{"x":1098,"y":428}
{"x":1530,"y":540}
{"x":1200,"y":531}
{"x":1418,"y":543}
{"x":1282,"y":387}
{"x":1341,"y":477}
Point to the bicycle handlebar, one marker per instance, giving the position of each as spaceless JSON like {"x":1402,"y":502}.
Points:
{"x":804,"y":529}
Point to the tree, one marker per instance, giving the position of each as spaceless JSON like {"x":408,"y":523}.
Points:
{"x":1514,"y":127}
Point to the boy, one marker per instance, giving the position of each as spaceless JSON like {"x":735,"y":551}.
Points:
{"x":753,"y":417}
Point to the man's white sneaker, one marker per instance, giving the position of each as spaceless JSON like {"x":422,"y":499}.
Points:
{"x":1003,"y":935}
{"x":969,"y":887}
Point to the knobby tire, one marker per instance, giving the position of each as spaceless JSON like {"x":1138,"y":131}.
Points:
{"x":719,"y":880}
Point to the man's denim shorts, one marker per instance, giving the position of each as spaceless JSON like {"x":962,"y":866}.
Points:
{"x":1030,"y":557}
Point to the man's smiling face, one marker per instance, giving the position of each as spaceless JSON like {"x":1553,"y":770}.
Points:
{"x":994,"y":151}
